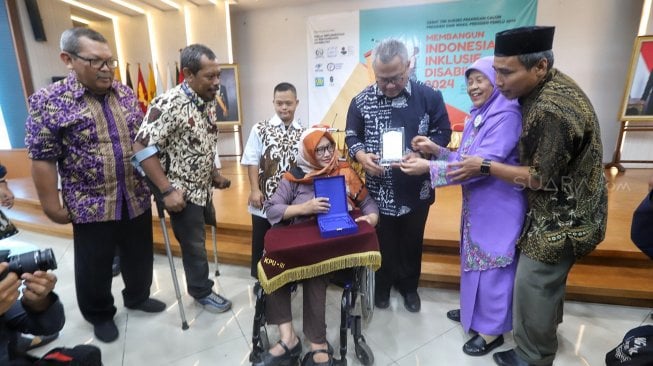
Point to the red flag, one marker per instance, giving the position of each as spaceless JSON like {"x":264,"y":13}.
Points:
{"x":141,"y":93}
{"x":180,"y":79}
{"x":129,"y":78}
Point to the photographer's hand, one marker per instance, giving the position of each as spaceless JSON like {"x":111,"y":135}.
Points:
{"x":37,"y":288}
{"x":8,"y":289}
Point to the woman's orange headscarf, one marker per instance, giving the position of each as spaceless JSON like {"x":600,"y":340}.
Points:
{"x":309,"y":164}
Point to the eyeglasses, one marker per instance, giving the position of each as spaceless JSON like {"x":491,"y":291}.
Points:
{"x":321,"y":150}
{"x":396,"y":80}
{"x":98,"y":63}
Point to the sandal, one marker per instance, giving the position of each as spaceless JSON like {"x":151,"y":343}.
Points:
{"x":290,"y":357}
{"x":308,"y":358}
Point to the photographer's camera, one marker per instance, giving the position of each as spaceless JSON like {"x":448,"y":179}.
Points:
{"x":30,"y":262}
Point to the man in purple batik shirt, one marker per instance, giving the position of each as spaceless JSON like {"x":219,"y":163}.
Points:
{"x":82,"y":127}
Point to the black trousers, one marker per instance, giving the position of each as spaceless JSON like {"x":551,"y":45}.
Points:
{"x":95,"y":246}
{"x":188,"y":226}
{"x":401,"y":240}
{"x":260,"y":226}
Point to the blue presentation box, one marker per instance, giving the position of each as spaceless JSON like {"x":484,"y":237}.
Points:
{"x":337,"y":221}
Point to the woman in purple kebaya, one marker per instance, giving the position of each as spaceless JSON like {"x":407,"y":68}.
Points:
{"x":493,"y":211}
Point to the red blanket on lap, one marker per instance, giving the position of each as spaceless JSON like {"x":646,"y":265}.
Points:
{"x":296,"y":252}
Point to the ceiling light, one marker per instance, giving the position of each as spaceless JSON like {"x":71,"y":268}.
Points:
{"x":89,"y":8}
{"x":171,"y":3}
{"x":129,"y":6}
{"x":80,"y":20}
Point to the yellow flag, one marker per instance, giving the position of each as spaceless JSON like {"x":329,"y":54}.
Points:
{"x":116,"y":74}
{"x":151,"y":84}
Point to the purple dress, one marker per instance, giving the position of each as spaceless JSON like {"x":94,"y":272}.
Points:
{"x":492,"y":214}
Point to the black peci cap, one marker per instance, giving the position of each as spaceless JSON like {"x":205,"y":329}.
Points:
{"x":523,"y":40}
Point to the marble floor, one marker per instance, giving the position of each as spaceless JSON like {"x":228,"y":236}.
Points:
{"x":396,"y":336}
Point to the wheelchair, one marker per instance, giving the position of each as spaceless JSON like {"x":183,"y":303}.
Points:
{"x":356,"y":310}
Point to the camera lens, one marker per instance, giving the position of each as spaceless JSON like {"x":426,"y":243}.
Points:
{"x":38,"y":260}
{"x":47,"y":261}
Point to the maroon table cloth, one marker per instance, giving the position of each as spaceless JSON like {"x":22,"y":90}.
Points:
{"x":296,"y":252}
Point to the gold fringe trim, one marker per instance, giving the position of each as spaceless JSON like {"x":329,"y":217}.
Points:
{"x":365,"y":259}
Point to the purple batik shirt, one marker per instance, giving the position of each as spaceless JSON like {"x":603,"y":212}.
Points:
{"x":90,"y":137}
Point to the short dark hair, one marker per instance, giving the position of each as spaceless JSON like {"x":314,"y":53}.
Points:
{"x":69,"y":41}
{"x":282,"y":87}
{"x":531,"y":59}
{"x":191,"y":56}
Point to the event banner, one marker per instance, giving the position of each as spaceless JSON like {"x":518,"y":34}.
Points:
{"x":333,"y":56}
{"x":443,"y":39}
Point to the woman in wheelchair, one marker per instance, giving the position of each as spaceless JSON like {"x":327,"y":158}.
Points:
{"x":294,"y":202}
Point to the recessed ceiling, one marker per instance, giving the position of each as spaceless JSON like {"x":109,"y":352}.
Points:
{"x":235,"y":6}
{"x":250,"y":5}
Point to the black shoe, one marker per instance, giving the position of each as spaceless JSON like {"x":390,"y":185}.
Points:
{"x":106,"y":331}
{"x":382,"y":302}
{"x":478,"y":347}
{"x":150,"y":306}
{"x":26,"y":343}
{"x":289,"y":357}
{"x":508,"y":358}
{"x":412,"y":302}
{"x":454,"y":315}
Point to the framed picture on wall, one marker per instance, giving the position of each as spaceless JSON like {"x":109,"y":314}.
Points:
{"x":228,"y":96}
{"x":637,"y":104}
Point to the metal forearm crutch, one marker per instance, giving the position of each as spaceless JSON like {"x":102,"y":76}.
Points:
{"x":173,"y":270}
{"x":210,"y":219}
{"x":136,"y":160}
{"x":215,"y":251}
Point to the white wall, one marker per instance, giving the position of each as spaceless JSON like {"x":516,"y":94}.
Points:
{"x":136,"y":47}
{"x":596,"y":53}
{"x":593,"y":43}
{"x":44,"y":62}
{"x":138,"y":41}
{"x":209,"y":27}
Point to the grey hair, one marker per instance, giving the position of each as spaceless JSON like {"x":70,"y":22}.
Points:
{"x":388,"y":49}
{"x":191,"y":56}
{"x":69,"y":41}
{"x":531,"y":59}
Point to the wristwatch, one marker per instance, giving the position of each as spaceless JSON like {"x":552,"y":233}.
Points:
{"x":485,"y":167}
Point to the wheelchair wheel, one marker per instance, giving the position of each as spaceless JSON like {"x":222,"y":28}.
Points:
{"x":364,"y":353}
{"x":366,"y":292}
{"x":265,"y":340}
